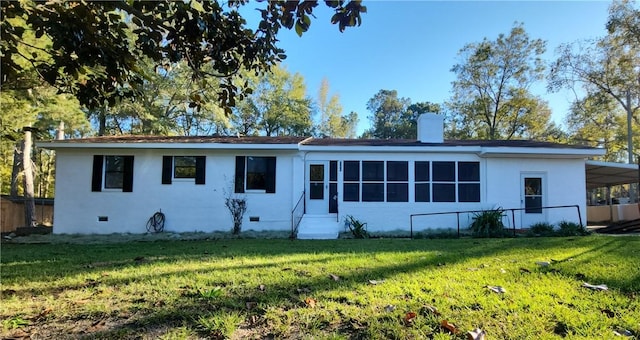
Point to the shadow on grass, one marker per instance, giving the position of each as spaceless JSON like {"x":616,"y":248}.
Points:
{"x":286,"y":293}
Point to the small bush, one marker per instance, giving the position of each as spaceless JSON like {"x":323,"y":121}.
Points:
{"x":358,"y":228}
{"x":488,"y":223}
{"x":571,"y":229}
{"x":541,"y":229}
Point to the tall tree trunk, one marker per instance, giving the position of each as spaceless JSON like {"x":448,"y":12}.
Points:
{"x":27,"y":164}
{"x":102,"y":121}
{"x":17,"y":166}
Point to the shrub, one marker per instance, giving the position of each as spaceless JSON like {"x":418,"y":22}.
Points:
{"x":541,"y":229}
{"x":566,"y":228}
{"x":237,"y":207}
{"x":358,"y":228}
{"x":488,"y":223}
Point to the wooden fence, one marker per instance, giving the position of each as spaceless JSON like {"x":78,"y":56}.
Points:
{"x":12,"y":213}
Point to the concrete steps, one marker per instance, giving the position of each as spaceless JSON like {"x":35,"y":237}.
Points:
{"x":318,"y":227}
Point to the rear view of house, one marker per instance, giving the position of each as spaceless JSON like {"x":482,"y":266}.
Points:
{"x":114,"y":184}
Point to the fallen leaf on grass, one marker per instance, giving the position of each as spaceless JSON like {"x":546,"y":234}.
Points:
{"x":389,"y":308}
{"x":303,"y":290}
{"x":503,"y":271}
{"x":262,"y":288}
{"x":476,"y":334}
{"x":20,"y":334}
{"x":496,"y":289}
{"x":608,"y":312}
{"x":446,"y":325}
{"x":334,"y":277}
{"x":251,"y":305}
{"x":45,"y":312}
{"x":595,"y":287}
{"x":310,"y":302}
{"x":409,"y":317}
{"x":543,"y":263}
{"x":375,"y":282}
{"x":525,"y":270}
{"x":426,"y":309}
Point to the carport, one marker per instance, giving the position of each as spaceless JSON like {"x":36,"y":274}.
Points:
{"x":607,"y":174}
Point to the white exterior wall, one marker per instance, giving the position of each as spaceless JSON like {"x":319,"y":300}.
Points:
{"x":190,"y":207}
{"x":565,"y":185}
{"x":187,"y":206}
{"x":389,"y":216}
{"x":500,"y":186}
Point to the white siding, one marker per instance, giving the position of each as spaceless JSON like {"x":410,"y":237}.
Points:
{"x":187,"y":206}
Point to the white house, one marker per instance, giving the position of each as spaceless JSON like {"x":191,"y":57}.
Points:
{"x":114,"y":184}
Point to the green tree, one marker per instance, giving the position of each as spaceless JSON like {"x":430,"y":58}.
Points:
{"x":96,"y":46}
{"x":394,"y":117}
{"x":491,"y":98}
{"x":278,"y":106}
{"x":598,"y":120}
{"x":388,"y":115}
{"x":607,"y":66}
{"x":171,"y":102}
{"x":332,"y":122}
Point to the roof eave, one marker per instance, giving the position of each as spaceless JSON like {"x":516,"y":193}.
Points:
{"x":203,"y":146}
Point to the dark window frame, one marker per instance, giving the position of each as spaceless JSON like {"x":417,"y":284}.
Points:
{"x":269,"y":172}
{"x":103,"y":172}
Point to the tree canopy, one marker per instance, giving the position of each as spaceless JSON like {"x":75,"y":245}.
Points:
{"x":491,"y":97}
{"x":605,"y":67}
{"x":96,"y":47}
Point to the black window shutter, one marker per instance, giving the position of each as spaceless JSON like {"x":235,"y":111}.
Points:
{"x":270,"y":176}
{"x":167,"y":169}
{"x":239,"y":180}
{"x":96,"y":176}
{"x":200,"y":169}
{"x":127,"y":176}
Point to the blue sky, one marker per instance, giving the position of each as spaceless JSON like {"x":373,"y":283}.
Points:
{"x":410,"y":46}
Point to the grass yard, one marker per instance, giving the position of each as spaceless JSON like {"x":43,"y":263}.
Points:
{"x":342,"y":289}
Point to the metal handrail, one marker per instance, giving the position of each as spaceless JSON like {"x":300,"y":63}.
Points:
{"x":295,"y":220}
{"x":513,"y":217}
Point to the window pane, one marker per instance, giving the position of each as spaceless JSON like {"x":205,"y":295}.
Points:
{"x":184,"y":167}
{"x":423,"y":193}
{"x":469,"y":192}
{"x":422,"y":172}
{"x":533,"y":205}
{"x":372,"y":171}
{"x":114,"y":163}
{"x":397,"y":171}
{"x":316,"y":191}
{"x":185,"y":172}
{"x":113,"y":180}
{"x":444,"y":171}
{"x":113,"y":172}
{"x":468,"y":171}
{"x":533,"y":186}
{"x":333,"y":171}
{"x":372,"y":192}
{"x":397,"y":192}
{"x":256,"y":173}
{"x":185,"y":161}
{"x":351,"y":170}
{"x":316,"y":172}
{"x":444,"y":192}
{"x":351,"y":192}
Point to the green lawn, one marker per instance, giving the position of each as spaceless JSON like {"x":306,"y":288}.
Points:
{"x":377,"y":288}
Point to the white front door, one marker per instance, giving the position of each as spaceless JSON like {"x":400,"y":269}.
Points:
{"x":533,"y":198}
{"x":317,"y":187}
